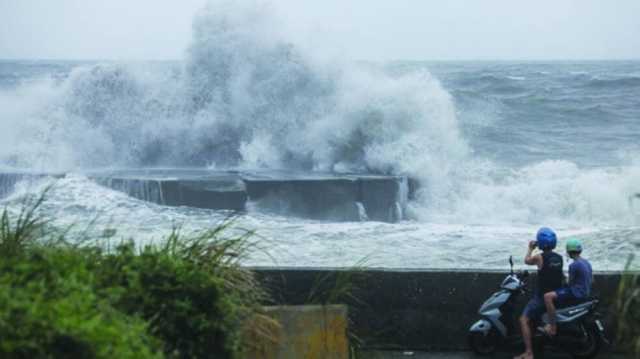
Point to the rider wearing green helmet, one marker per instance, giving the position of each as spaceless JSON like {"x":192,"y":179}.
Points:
{"x":574,"y":246}
{"x":579,"y":289}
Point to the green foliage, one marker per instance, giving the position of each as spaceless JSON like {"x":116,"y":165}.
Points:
{"x":628,"y":307}
{"x":185,"y":298}
{"x":186,"y":306}
{"x":48,"y":309}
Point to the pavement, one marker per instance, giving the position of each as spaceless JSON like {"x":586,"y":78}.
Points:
{"x":378,"y":354}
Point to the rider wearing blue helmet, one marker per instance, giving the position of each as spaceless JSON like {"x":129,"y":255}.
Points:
{"x":550,"y":278}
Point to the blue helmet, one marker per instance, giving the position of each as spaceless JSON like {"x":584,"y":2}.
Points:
{"x":546,"y":238}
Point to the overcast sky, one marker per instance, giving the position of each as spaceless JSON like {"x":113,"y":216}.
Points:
{"x":375,"y":30}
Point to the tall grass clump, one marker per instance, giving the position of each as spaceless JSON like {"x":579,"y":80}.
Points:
{"x":22,"y":231}
{"x":335,"y":287}
{"x":190,"y":289}
{"x":186,"y":297}
{"x":628,"y":309}
{"x":341,"y":287}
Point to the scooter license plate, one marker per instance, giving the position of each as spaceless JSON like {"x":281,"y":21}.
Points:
{"x":599,"y":325}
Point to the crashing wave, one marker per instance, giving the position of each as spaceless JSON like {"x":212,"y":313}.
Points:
{"x":246,"y":97}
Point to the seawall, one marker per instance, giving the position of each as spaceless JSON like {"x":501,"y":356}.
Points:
{"x":409,"y":309}
{"x":319,"y":196}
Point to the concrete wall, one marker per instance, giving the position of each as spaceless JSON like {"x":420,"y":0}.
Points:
{"x":328,"y":199}
{"x":412,"y":309}
{"x":333,"y":197}
{"x":329,"y":196}
{"x":301,"y":332}
{"x":8,"y":180}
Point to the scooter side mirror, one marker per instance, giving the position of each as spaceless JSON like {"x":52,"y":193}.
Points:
{"x":511,"y":263}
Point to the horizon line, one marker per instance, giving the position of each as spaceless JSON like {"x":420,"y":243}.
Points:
{"x":357,"y":60}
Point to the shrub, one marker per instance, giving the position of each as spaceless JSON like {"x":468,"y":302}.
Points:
{"x":187,"y":298}
{"x":184,"y":305}
{"x":48,"y":309}
{"x":188,"y":290}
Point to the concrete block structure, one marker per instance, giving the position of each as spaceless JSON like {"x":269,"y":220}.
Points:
{"x":317,"y":196}
{"x":303,"y":332}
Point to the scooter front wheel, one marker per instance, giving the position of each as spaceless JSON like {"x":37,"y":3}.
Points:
{"x":483,"y":344}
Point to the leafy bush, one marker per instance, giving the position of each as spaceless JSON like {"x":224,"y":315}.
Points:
{"x":48,"y":309}
{"x":187,"y":298}
{"x":186,"y":305}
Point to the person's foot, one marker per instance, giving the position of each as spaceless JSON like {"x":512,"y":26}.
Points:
{"x":526,"y":355}
{"x":551,"y":329}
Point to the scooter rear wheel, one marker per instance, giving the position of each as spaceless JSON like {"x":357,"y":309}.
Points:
{"x":482,"y":344}
{"x":591,"y":347}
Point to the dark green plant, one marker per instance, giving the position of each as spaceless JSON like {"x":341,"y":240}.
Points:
{"x":185,"y":298}
{"x":49,"y":309}
{"x":628,"y":308}
{"x":191,"y":290}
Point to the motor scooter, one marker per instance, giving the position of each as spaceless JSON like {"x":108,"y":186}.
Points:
{"x":580,"y":331}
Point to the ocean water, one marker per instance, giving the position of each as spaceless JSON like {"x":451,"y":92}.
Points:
{"x":500,"y":148}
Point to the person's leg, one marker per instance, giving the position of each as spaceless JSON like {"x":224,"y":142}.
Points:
{"x":534,"y":308}
{"x":551,"y":328}
{"x":525,"y":325}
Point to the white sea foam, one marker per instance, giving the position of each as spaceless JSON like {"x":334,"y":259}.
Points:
{"x":95,"y":211}
{"x":246,"y":97}
{"x":551,"y":192}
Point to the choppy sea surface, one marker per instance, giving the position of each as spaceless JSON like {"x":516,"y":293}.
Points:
{"x":500,"y":148}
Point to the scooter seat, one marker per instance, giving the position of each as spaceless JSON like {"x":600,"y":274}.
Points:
{"x":572,"y":303}
{"x":570,"y":313}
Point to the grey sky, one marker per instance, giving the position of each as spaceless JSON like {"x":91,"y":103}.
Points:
{"x":357,"y":29}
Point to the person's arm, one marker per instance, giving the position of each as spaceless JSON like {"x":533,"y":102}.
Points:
{"x":532,"y":259}
{"x":572,"y":274}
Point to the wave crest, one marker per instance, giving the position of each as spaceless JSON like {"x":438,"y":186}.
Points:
{"x":246,"y":97}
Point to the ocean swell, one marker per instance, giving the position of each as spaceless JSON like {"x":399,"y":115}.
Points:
{"x":246,"y":97}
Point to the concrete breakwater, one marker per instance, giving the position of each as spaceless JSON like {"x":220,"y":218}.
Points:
{"x":9,"y":180}
{"x":410,"y":309}
{"x":334,"y":197}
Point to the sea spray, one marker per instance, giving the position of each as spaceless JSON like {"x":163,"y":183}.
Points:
{"x":246,"y":97}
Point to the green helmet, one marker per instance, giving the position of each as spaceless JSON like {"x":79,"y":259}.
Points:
{"x":574,"y":245}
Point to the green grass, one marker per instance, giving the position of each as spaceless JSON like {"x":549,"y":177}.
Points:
{"x":628,"y":309}
{"x":21,"y":231}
